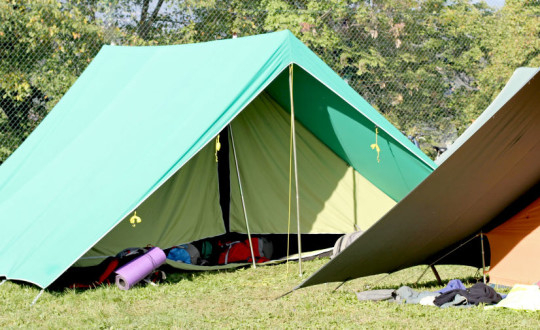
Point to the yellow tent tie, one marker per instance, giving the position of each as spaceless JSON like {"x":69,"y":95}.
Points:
{"x":134,"y":220}
{"x":218,"y":147}
{"x":375,"y":145}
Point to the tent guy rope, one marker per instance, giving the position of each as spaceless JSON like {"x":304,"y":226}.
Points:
{"x":444,"y":256}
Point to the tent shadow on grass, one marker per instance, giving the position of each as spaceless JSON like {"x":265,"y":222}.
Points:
{"x":175,"y":276}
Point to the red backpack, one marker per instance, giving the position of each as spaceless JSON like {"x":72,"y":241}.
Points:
{"x":239,"y":251}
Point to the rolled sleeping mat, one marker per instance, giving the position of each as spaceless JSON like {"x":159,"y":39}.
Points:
{"x":345,"y":241}
{"x":137,"y":269}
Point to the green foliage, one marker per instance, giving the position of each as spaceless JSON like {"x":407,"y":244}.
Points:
{"x":44,"y":46}
{"x":412,"y":60}
{"x":512,"y":40}
{"x":430,"y":66}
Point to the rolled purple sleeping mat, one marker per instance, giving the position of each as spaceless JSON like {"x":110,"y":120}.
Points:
{"x":137,"y":269}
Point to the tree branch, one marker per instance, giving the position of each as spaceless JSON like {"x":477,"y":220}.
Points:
{"x":144,"y":12}
{"x":147,"y":21}
{"x":155,"y":12}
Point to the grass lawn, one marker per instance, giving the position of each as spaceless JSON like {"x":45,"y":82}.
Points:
{"x":247,"y":298}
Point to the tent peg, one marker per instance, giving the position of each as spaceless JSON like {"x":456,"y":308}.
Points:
{"x":37,"y":297}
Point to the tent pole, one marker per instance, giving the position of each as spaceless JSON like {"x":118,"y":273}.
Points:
{"x":295,"y":169}
{"x":483,"y":257}
{"x":290,"y":200}
{"x":436,"y":273}
{"x":242,"y":196}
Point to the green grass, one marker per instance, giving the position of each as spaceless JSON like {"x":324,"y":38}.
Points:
{"x":247,"y":298}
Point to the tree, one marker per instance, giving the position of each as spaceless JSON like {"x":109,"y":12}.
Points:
{"x":414,"y":61}
{"x":430,"y":66}
{"x":44,"y":46}
{"x":513,"y":41}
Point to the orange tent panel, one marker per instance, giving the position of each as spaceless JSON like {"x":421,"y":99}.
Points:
{"x":515,"y":247}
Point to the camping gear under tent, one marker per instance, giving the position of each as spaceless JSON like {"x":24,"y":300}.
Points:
{"x":487,"y":185}
{"x":128,"y":156}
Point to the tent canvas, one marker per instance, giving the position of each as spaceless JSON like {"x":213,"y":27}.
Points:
{"x":139,"y":123}
{"x":514,"y":247}
{"x":497,"y":162}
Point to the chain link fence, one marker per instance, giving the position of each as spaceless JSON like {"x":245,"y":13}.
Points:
{"x":430,"y":67}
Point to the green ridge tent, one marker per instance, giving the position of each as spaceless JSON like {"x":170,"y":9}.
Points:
{"x":490,"y":173}
{"x":136,"y":133}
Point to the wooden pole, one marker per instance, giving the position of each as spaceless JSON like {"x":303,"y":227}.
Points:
{"x":483,"y":257}
{"x":295,"y":169}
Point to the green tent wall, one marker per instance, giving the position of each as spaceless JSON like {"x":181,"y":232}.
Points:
{"x":137,"y":115}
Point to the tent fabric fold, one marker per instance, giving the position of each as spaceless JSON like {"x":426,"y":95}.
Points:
{"x":494,"y":165}
{"x":137,"y":115}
